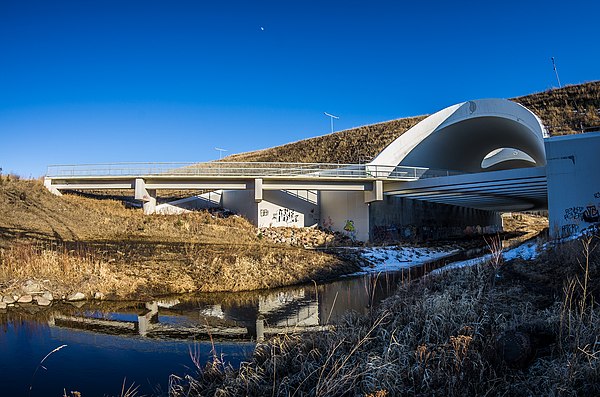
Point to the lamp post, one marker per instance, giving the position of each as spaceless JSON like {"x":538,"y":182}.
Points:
{"x":556,"y":72}
{"x":332,"y":117}
{"x":220,"y":152}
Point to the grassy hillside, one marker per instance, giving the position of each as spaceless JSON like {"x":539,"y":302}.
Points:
{"x":79,"y":243}
{"x":564,"y":111}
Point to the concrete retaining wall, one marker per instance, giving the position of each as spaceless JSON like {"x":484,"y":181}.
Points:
{"x":401,"y":219}
{"x":345,"y":212}
{"x":573,"y":172}
{"x":283,"y":208}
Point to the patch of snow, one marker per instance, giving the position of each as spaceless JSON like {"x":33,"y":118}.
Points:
{"x":526,"y":251}
{"x":387,"y":259}
{"x":466,"y":263}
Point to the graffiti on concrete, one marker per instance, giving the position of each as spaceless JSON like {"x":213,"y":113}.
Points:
{"x":285,"y":215}
{"x":569,"y":229}
{"x":597,"y":195}
{"x":264,"y":212}
{"x":590,"y":214}
{"x":574,"y":213}
{"x":350,"y":229}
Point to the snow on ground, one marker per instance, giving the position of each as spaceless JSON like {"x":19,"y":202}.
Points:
{"x":526,"y":251}
{"x":386,"y":259}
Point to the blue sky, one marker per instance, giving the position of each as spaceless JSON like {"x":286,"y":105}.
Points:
{"x":106,"y":81}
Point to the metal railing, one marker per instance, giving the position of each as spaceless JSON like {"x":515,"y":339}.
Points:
{"x":230,"y":169}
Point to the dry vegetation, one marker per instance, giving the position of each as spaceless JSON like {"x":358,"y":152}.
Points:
{"x":78,"y":243}
{"x":569,"y":110}
{"x":518,"y":328}
{"x":566,"y":110}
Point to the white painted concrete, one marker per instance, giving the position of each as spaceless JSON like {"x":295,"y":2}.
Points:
{"x":461,"y":136}
{"x":242,"y":202}
{"x":281,"y":208}
{"x":573,"y":183}
{"x":345,"y":212}
{"x":199,"y":202}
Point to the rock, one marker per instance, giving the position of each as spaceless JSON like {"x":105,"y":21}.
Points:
{"x":41,"y":301}
{"x":515,"y":349}
{"x":48,"y":295}
{"x":76,"y":296}
{"x":2,"y":305}
{"x":8,"y":299}
{"x":99,"y":296}
{"x":25,"y":299}
{"x":31,"y":288}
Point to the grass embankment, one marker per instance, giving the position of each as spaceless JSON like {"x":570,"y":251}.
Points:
{"x":567,"y":110}
{"x":518,"y":328}
{"x":81,"y":244}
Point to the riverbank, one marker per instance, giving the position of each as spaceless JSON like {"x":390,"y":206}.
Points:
{"x":76,"y":248}
{"x":101,"y":249}
{"x":514,"y":327}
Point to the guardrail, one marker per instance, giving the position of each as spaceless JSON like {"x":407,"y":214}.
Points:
{"x":230,"y":169}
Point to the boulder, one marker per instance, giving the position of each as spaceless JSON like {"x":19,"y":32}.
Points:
{"x":32,"y":288}
{"x":99,"y":296}
{"x":48,"y":295}
{"x":76,"y":296}
{"x":41,"y":301}
{"x":8,"y":299}
{"x":2,"y":305}
{"x":25,"y":299}
{"x":515,"y":349}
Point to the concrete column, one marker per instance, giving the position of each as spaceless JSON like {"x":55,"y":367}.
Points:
{"x":258,"y":190}
{"x":148,"y":196}
{"x":52,"y":189}
{"x":376,"y":194}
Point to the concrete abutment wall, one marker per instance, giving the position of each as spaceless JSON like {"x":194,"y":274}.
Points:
{"x":402,"y":219}
{"x":573,"y":173}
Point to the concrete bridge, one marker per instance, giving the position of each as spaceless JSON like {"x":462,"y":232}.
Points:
{"x":451,"y":173}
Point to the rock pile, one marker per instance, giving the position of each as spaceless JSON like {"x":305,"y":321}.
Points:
{"x":37,"y":293}
{"x":307,"y":237}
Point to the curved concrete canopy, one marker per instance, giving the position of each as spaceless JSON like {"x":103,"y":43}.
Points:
{"x":507,"y":158}
{"x":462,"y":136}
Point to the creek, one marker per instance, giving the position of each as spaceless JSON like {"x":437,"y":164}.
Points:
{"x":111,"y":344}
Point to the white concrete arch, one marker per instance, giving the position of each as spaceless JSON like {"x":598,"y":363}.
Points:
{"x":465,"y":137}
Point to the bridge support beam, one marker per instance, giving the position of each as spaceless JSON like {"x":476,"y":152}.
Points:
{"x":376,"y":194}
{"x":258,"y":190}
{"x":48,"y":185}
{"x":148,"y":196}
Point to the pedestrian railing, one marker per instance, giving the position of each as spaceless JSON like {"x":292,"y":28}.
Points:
{"x":238,"y":169}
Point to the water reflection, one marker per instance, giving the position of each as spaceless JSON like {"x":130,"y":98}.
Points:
{"x":147,"y":341}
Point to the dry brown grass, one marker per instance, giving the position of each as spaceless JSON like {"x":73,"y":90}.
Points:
{"x":438,"y":336}
{"x":101,"y":246}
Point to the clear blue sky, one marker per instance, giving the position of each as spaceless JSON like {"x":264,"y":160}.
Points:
{"x":104,"y":81}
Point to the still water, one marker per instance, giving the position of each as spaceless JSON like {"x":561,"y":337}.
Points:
{"x":143,"y":343}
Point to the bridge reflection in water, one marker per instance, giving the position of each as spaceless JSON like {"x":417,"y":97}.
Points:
{"x":243,"y":316}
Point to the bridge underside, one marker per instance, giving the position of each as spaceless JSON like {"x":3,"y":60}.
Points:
{"x":519,"y":189}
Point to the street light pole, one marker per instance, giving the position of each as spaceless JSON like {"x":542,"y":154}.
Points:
{"x":556,"y":71}
{"x":332,"y":117}
{"x":220,"y":152}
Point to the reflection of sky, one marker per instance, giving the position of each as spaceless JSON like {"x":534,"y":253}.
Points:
{"x":96,"y":364}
